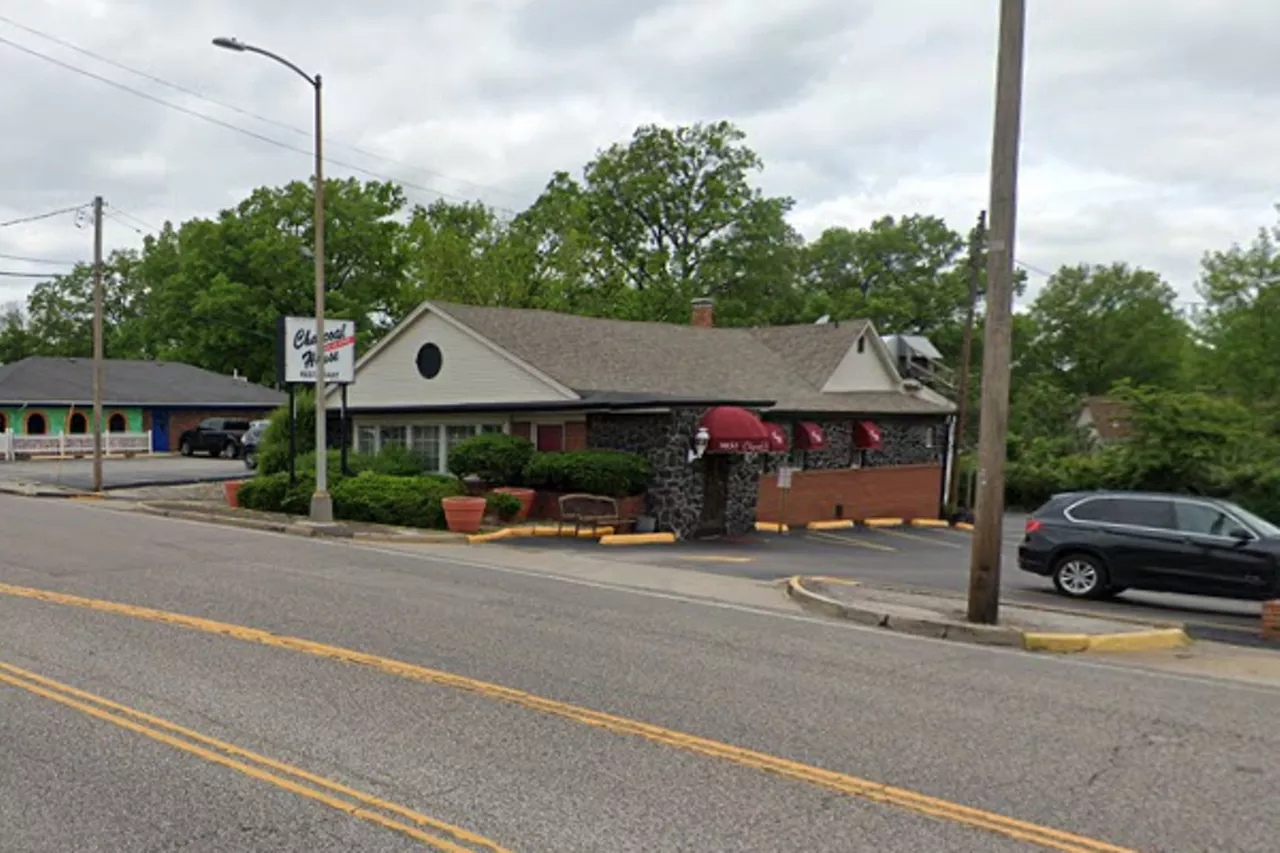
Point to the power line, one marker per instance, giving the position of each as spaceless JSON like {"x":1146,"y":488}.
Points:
{"x":127,"y":215}
{"x":28,"y":260}
{"x":242,"y":111}
{"x":115,"y":217}
{"x":236,"y":128}
{"x":37,"y":217}
{"x":17,"y":274}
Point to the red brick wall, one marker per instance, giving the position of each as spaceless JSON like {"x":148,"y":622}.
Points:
{"x":1271,"y":620}
{"x":522,"y":429}
{"x":902,"y":491}
{"x":575,"y":436}
{"x":181,"y":420}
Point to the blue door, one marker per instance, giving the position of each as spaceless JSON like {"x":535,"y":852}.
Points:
{"x":160,"y":430}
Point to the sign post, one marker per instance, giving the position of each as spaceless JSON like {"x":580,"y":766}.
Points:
{"x":298,"y":363}
{"x":784,"y":486}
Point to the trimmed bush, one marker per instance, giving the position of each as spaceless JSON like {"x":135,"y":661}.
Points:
{"x":392,"y":461}
{"x":496,"y":459}
{"x":384,"y":499}
{"x":598,"y":472}
{"x":504,"y":506}
{"x":273,"y":451}
{"x":271,"y":493}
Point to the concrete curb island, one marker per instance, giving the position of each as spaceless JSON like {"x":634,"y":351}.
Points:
{"x":920,"y":620}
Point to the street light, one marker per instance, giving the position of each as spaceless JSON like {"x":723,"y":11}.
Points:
{"x":321,"y":502}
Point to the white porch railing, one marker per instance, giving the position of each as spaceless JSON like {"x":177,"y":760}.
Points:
{"x":13,"y":446}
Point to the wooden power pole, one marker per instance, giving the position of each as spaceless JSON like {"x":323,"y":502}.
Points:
{"x":97,"y":344}
{"x":984,"y":566}
{"x":977,"y":243}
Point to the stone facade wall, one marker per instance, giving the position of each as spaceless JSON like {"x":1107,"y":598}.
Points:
{"x":675,"y":492}
{"x":903,"y":441}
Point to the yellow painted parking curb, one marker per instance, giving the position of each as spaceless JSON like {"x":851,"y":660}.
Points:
{"x":963,"y":525}
{"x":883,"y":522}
{"x":546,"y":531}
{"x":929,"y":522}
{"x":772,"y":527}
{"x":638,"y":539}
{"x":1129,"y":641}
{"x":834,"y":524}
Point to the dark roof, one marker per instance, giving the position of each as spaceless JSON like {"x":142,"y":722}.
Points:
{"x":598,"y":358}
{"x":53,"y":381}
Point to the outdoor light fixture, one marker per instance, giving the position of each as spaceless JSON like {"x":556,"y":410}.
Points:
{"x":700,"y":441}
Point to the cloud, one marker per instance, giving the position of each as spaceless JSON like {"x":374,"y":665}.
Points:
{"x":1149,"y":127}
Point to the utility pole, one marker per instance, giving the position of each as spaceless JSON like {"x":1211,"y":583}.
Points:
{"x":977,"y":243}
{"x":984,"y":566}
{"x":97,"y":344}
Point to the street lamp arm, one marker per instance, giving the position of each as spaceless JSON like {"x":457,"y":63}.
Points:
{"x":242,"y":47}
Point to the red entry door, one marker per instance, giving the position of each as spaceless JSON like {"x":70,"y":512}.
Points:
{"x":550,"y":438}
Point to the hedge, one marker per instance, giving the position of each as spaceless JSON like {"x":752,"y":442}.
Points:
{"x":598,"y":472}
{"x":502,"y":505}
{"x":495,"y":458}
{"x":370,"y":496}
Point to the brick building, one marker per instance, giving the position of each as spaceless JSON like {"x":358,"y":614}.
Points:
{"x":54,"y":397}
{"x":826,"y":400}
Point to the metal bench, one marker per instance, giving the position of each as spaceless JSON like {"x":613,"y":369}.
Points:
{"x":593,"y":511}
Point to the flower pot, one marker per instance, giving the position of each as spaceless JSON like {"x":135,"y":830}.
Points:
{"x":231,"y":488}
{"x":526,"y":499}
{"x":463,"y":514}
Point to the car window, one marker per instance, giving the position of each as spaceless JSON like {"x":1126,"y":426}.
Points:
{"x":1097,"y":509}
{"x":237,"y":425}
{"x":1141,"y":512}
{"x":1203,"y":519}
{"x":210,"y":423}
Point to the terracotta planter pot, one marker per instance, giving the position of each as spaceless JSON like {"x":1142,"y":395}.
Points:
{"x":463,"y":514}
{"x":231,"y":489}
{"x":526,"y":499}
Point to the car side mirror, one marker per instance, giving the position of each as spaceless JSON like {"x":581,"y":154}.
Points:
{"x":1240,"y":535}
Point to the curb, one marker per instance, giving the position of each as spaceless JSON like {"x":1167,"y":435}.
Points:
{"x":540,"y":531}
{"x":835,"y":524}
{"x":929,"y":522}
{"x":883,"y":522}
{"x":992,"y":635}
{"x":772,"y":527}
{"x":638,"y":539}
{"x":963,"y":525}
{"x":293,"y":528}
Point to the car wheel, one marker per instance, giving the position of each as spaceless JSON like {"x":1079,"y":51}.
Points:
{"x":1080,"y":576}
{"x":230,"y":450}
{"x":185,"y":447}
{"x":250,"y":460}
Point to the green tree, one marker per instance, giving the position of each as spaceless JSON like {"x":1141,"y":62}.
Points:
{"x":667,"y":217}
{"x":16,"y":340}
{"x":60,"y":311}
{"x":1095,"y":326}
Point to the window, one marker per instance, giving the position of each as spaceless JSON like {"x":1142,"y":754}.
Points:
{"x":4,"y":422}
{"x":393,"y":436}
{"x":1156,"y":514}
{"x":486,"y":429}
{"x":1203,"y":519}
{"x":424,"y":442}
{"x":211,"y":423}
{"x":36,"y":424}
{"x":862,"y":344}
{"x":550,"y":438}
{"x":241,"y":426}
{"x":366,"y":439}
{"x":77,"y":423}
{"x":117,"y":423}
{"x":456,"y":434}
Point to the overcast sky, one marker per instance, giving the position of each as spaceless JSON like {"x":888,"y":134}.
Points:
{"x":1151,"y":127}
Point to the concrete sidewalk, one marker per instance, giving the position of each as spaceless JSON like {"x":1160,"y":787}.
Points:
{"x":941,"y":616}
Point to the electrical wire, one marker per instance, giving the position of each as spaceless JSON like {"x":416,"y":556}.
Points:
{"x":28,"y":260}
{"x":242,"y":111}
{"x":236,"y":128}
{"x":17,"y":274}
{"x":127,"y":215}
{"x":37,"y":217}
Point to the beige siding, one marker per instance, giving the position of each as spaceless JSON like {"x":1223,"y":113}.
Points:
{"x":471,"y":372}
{"x":861,"y":371}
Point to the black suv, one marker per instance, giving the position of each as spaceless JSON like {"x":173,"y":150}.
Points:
{"x":1098,"y":544}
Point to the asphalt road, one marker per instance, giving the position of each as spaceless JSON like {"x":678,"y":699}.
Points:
{"x":123,"y":473}
{"x":932,"y":559}
{"x":544,"y":715}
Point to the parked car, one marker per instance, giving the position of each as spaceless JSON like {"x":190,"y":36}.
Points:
{"x":215,"y":436}
{"x":1098,"y":544}
{"x":249,"y":443}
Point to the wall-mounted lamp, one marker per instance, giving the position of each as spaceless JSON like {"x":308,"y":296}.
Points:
{"x":701,"y":440}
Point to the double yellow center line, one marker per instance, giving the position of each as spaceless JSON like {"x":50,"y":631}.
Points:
{"x":1042,"y":836}
{"x":389,"y":815}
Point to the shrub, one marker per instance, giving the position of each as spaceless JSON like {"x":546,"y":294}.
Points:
{"x":504,"y":506}
{"x":272,"y":493}
{"x":392,"y":461}
{"x":273,"y":450}
{"x":497,"y":459}
{"x":385,"y":499}
{"x":598,"y":472}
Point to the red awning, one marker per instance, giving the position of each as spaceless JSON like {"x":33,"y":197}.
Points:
{"x":735,"y":430}
{"x":866,"y":435}
{"x":809,"y":436}
{"x":778,"y":438}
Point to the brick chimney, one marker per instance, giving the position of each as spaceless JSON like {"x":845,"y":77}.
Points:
{"x":703,"y":312}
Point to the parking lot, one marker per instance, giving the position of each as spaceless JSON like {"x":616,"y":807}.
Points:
{"x":925,"y":558}
{"x":161,"y":469}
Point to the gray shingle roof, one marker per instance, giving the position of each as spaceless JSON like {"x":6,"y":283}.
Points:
{"x":592,"y":356}
{"x":145,"y":383}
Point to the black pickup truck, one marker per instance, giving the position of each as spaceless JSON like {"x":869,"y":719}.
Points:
{"x":215,"y":436}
